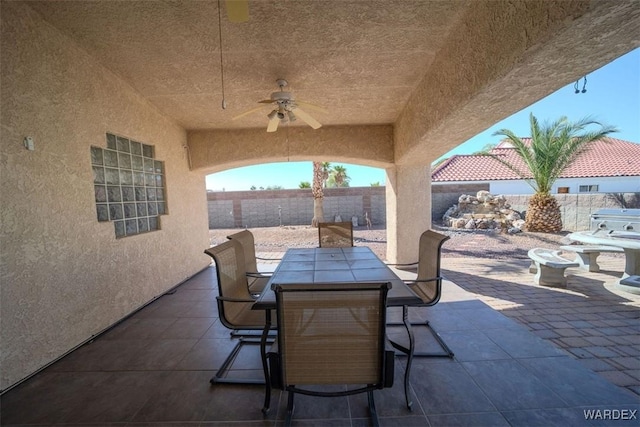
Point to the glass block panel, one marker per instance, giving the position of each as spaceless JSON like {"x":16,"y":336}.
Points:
{"x":136,"y":148}
{"x":159,"y":166}
{"x":126,"y":177}
{"x":142,"y":209}
{"x":143,"y":225}
{"x":112,"y":176}
{"x":110,"y":158}
{"x":136,"y":163}
{"x":128,"y":195}
{"x":113,"y":194}
{"x":123,"y":144}
{"x":131,"y":226}
{"x":103,"y":212}
{"x":100,"y":192}
{"x":115,"y":211}
{"x":111,"y":141}
{"x":124,"y":160}
{"x":151,"y":193}
{"x":152,"y":208}
{"x":148,"y":165}
{"x":149,"y":180}
{"x":154,"y":224}
{"x":162,"y":209}
{"x":98,"y":175}
{"x":130,"y":210}
{"x":159,"y":194}
{"x":141,"y":194}
{"x":138,"y":179}
{"x":147,"y":150}
{"x":158,"y":179}
{"x":96,"y":156}
{"x":119,"y":226}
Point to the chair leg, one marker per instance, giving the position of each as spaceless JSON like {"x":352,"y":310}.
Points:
{"x":290,"y":408}
{"x":372,"y":409}
{"x":219,"y":377}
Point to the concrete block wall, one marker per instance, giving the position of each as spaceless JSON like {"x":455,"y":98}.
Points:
{"x":266,"y":208}
{"x":271,"y":208}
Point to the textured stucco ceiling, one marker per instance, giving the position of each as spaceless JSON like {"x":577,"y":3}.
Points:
{"x":359,"y":59}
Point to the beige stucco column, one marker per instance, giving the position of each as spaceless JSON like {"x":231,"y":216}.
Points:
{"x":408,"y":193}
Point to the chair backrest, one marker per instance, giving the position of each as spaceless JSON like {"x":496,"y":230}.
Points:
{"x":332,"y":333}
{"x":232,"y":279}
{"x":335,"y":234}
{"x":246,"y":240}
{"x":429,"y":283}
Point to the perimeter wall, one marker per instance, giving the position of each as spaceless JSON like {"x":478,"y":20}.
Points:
{"x":272,"y":208}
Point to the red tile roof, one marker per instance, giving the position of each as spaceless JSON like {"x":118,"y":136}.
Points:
{"x":606,"y":157}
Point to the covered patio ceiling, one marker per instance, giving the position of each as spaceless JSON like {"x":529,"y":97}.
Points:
{"x":439,"y":72}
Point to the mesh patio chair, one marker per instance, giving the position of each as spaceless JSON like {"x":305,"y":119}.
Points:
{"x":335,"y":234}
{"x":256,"y":280}
{"x":331,"y":334}
{"x":427,"y":285}
{"x":234,"y":305}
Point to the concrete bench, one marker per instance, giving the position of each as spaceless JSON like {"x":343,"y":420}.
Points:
{"x":630,"y":284}
{"x":549,"y":267}
{"x":587,"y":256}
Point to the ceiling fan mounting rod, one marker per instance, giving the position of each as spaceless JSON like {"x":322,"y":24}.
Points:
{"x":281,"y":83}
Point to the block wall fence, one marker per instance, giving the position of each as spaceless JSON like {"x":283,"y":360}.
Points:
{"x":272,"y":208}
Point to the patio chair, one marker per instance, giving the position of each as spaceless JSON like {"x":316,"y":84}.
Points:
{"x":335,"y":234}
{"x":256,"y":280}
{"x":428,"y":286}
{"x":234,"y":305}
{"x":331,"y":341}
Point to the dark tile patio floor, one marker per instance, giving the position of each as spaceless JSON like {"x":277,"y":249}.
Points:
{"x":153,"y":369}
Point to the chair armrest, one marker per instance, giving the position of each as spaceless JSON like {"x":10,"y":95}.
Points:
{"x":434,"y":279}
{"x":258,"y":274}
{"x":403,"y":265}
{"x":269,"y":259}
{"x":228,"y":299}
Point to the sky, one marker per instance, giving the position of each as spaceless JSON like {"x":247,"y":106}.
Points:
{"x":612,"y":97}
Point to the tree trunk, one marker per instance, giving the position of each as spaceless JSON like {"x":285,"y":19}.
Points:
{"x":318,"y":194}
{"x":543,"y":214}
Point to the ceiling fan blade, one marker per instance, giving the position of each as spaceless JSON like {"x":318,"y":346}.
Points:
{"x":237,"y":10}
{"x":307,"y":118}
{"x":266,"y":101}
{"x":273,"y":124}
{"x":312,"y":106}
{"x":246,"y":113}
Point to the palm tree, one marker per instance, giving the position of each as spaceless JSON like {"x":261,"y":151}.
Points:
{"x":339,"y":176}
{"x":304,"y":184}
{"x":319,"y":177}
{"x":552,"y":149}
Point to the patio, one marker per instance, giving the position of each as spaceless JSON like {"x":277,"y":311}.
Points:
{"x":154,"y":367}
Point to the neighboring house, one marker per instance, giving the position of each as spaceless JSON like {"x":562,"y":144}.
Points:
{"x":606,"y":166}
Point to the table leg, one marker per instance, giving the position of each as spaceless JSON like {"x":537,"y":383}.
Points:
{"x":265,"y":366}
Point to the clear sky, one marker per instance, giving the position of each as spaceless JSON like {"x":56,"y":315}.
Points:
{"x":612,"y":97}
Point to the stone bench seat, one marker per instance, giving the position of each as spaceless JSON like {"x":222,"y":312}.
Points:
{"x":587,"y":256}
{"x":549,"y":267}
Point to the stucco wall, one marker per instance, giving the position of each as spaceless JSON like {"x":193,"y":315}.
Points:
{"x":64,"y":276}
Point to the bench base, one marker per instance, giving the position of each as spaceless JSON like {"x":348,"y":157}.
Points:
{"x":549,"y":267}
{"x":587,"y":256}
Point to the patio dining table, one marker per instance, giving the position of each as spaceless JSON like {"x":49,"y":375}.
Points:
{"x":629,"y":241}
{"x":333,"y":265}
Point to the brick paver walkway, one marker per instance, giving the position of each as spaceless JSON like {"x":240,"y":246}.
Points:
{"x":591,"y":319}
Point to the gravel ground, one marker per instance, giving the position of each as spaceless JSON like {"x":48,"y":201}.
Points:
{"x":463,"y":243}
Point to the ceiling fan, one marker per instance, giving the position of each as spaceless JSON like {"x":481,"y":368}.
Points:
{"x":286,"y":108}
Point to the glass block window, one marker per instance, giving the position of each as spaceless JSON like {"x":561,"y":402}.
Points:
{"x":129,"y":185}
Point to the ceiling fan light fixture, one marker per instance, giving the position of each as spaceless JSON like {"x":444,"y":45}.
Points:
{"x":292,"y":117}
{"x":272,"y":114}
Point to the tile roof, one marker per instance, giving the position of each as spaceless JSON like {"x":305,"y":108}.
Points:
{"x":603,"y":158}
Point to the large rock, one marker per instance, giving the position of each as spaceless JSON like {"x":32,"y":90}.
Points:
{"x":482,"y":211}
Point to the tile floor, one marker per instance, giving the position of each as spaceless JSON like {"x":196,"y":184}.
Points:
{"x":153,"y":369}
